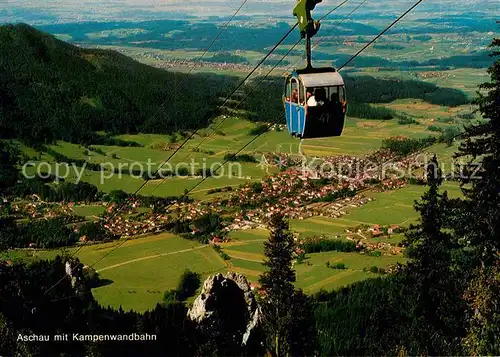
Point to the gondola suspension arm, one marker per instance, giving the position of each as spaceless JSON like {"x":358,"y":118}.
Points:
{"x":307,"y":26}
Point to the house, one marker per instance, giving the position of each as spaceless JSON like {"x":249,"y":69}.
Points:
{"x":216,"y":240}
{"x":393,"y":229}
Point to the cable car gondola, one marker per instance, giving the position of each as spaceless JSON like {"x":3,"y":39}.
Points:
{"x":314,"y":98}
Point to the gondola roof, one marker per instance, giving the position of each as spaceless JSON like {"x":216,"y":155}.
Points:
{"x":321,"y":79}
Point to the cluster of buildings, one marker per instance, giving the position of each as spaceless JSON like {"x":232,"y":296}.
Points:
{"x":176,"y":63}
{"x":296,"y":193}
{"x":382,"y":247}
{"x":286,"y":192}
{"x":392,"y":184}
{"x":134,"y":223}
{"x":39,"y":209}
{"x":122,"y":226}
{"x":436,"y":74}
{"x":377,"y":230}
{"x":339,"y":208}
{"x":362,"y":234}
{"x":324,"y":188}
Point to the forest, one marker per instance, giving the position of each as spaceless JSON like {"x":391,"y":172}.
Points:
{"x":52,"y":90}
{"x":445,"y":301}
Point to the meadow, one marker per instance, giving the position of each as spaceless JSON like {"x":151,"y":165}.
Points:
{"x":226,"y":135}
{"x":312,"y":274}
{"x":136,"y":275}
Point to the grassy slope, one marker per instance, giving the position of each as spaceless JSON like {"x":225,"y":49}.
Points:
{"x":138,"y":273}
{"x":51,"y":89}
{"x":360,"y":137}
{"x":142,"y":269}
{"x":140,"y":282}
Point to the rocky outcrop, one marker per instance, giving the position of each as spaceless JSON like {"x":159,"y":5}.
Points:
{"x":78,"y":275}
{"x":71,"y":267}
{"x":227,"y":301}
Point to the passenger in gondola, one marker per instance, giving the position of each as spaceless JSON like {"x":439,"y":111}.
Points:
{"x":308,"y":95}
{"x":320,"y":95}
{"x":295,"y":96}
{"x":335,"y":98}
{"x":311,"y":100}
{"x":318,"y":99}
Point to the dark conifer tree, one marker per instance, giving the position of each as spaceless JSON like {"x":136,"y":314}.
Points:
{"x":9,"y":158}
{"x":426,"y":239}
{"x":287,"y":313}
{"x":480,"y":221}
{"x":483,"y":327}
{"x":277,"y":282}
{"x":429,"y":276}
{"x":478,"y":218}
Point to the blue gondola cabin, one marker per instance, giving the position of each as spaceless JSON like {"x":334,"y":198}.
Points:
{"x":315,"y":103}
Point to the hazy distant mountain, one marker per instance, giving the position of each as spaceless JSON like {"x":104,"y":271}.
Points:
{"x":50,"y":89}
{"x":51,"y":11}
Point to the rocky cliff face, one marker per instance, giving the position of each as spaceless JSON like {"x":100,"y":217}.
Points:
{"x":71,"y":268}
{"x":79,"y":276}
{"x":227,"y":305}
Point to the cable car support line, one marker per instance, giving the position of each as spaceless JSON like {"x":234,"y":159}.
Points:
{"x":178,"y":85}
{"x":248,"y":143}
{"x":259,"y":135}
{"x":209,"y":115}
{"x":381,"y":34}
{"x":277,"y":64}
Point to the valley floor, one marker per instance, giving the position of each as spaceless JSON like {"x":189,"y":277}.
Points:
{"x":136,"y":275}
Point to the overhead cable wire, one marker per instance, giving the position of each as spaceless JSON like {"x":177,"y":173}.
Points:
{"x":190,"y":137}
{"x":257,"y":136}
{"x":272,"y":69}
{"x":199,"y":59}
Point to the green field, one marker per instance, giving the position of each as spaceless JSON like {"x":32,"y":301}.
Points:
{"x":465,"y":79}
{"x":140,"y":271}
{"x":360,"y":137}
{"x":311,"y":278}
{"x":136,"y":275}
{"x":89,"y":210}
{"x":388,"y":208}
{"x":312,"y":275}
{"x":246,"y":247}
